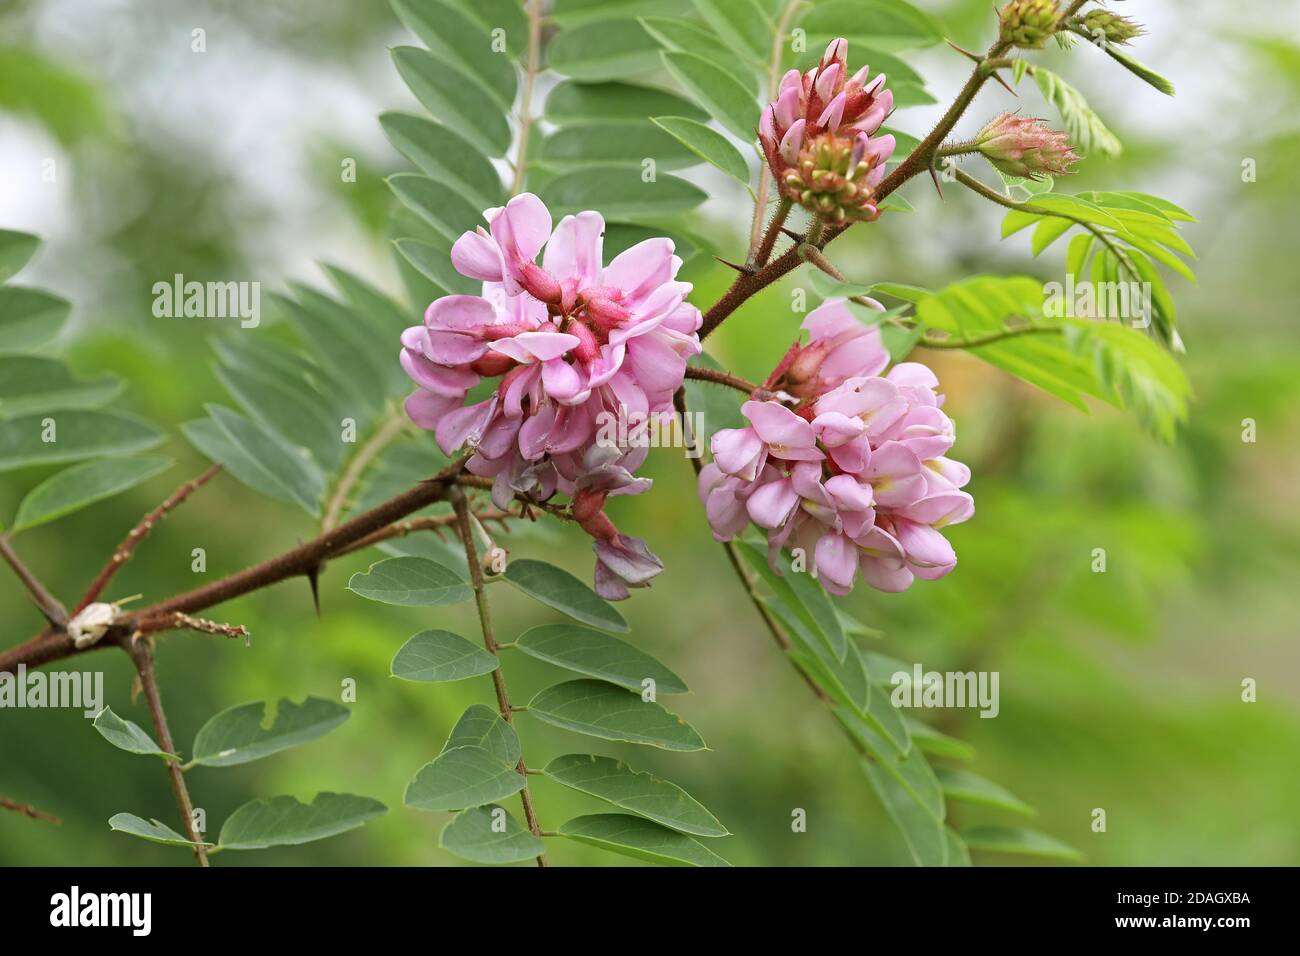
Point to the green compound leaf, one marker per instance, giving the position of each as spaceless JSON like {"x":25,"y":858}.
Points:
{"x":641,"y":793}
{"x":436,"y":656}
{"x":410,"y":581}
{"x":245,"y":733}
{"x":598,"y":655}
{"x":462,"y":777}
{"x":640,"y":839}
{"x":283,"y":821}
{"x":598,"y":709}
{"x":1019,"y":842}
{"x":558,"y":589}
{"x":83,"y":485}
{"x":127,"y":735}
{"x":489,"y":835}
{"x":155,"y":831}
{"x":481,"y":726}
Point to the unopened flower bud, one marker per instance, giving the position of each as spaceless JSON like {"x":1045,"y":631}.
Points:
{"x":1025,"y":147}
{"x":835,"y":176}
{"x":1113,"y":27}
{"x":540,"y":284}
{"x":1028,"y":23}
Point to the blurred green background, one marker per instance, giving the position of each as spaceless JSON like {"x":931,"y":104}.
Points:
{"x":1119,"y":690}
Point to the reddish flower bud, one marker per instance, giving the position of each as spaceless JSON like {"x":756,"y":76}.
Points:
{"x":1025,"y":147}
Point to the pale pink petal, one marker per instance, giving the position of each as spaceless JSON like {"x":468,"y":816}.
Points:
{"x":837,"y":560}
{"x":641,"y":269}
{"x":477,"y":256}
{"x":773,"y":503}
{"x":426,"y":409}
{"x":574,"y":250}
{"x":738,"y":451}
{"x":849,"y":494}
{"x":778,"y":426}
{"x":561,"y":381}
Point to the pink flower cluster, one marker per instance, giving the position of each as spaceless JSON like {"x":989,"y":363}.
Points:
{"x":817,"y":136}
{"x":572,"y":342}
{"x":854,"y":474}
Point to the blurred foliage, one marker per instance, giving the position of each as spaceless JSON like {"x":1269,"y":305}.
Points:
{"x":1119,"y":690}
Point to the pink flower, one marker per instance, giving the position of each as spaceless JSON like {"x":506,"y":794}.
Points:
{"x":855,"y":474}
{"x":572,"y":343}
{"x":839,"y":347}
{"x":817,"y":136}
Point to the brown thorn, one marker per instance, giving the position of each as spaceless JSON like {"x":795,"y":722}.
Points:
{"x":966,"y":53}
{"x":1005,"y":85}
{"x":935,"y":177}
{"x":313,"y":579}
{"x":743,"y":270}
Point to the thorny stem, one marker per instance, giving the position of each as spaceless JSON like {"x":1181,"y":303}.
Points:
{"x":489,"y":642}
{"x":54,"y":643}
{"x":50,"y":606}
{"x":526,"y":101}
{"x":760,"y":244}
{"x":122,"y":553}
{"x":434,"y":523}
{"x":758,"y":258}
{"x":722,"y":378}
{"x":143,"y":659}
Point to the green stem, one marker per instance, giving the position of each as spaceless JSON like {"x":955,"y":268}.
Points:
{"x":489,"y":642}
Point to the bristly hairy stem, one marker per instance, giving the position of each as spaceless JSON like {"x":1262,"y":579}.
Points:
{"x":122,"y":553}
{"x":526,"y":100}
{"x":718,"y":377}
{"x":758,"y":258}
{"x":489,"y":642}
{"x":142,"y":656}
{"x":49,"y":605}
{"x":760,"y":243}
